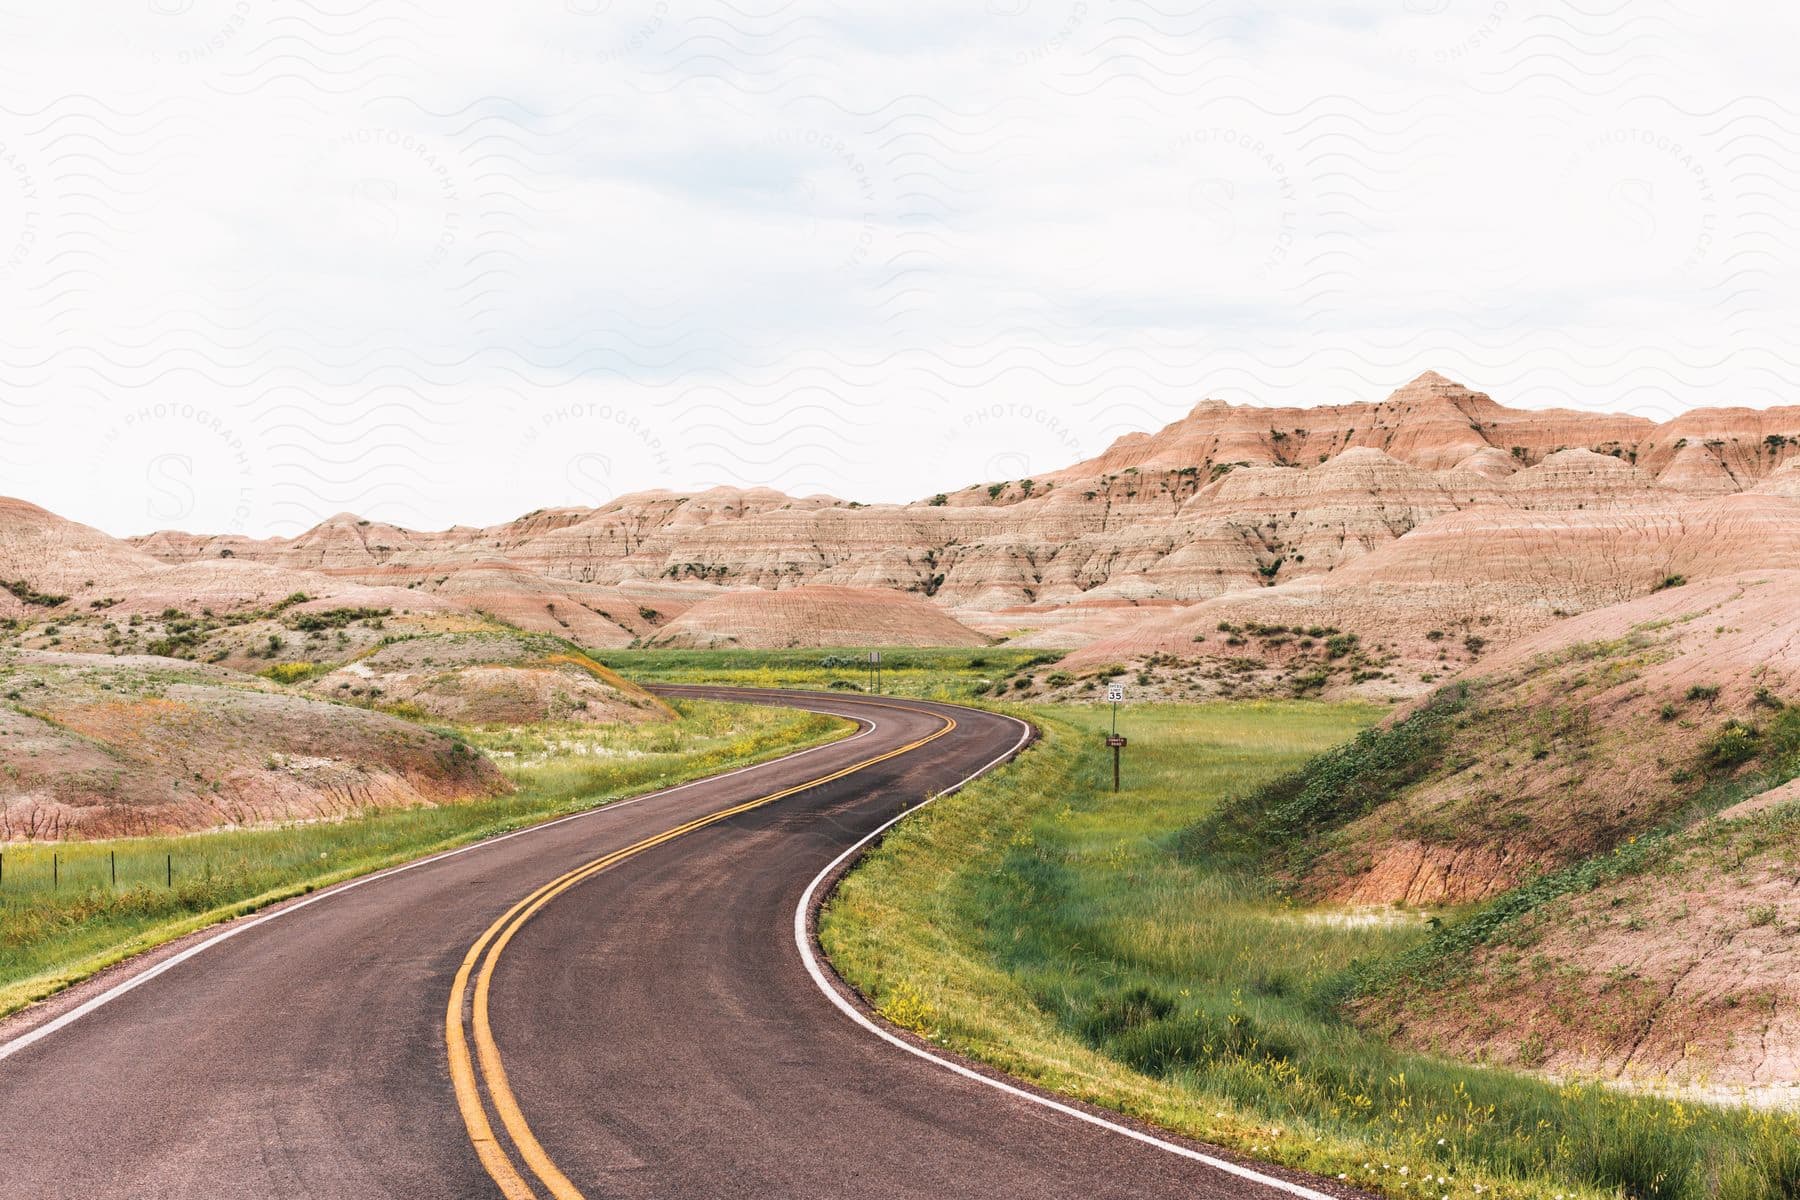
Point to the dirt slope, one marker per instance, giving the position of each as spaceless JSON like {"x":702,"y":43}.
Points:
{"x":1575,"y":740}
{"x":1682,"y":972}
{"x":98,"y":746}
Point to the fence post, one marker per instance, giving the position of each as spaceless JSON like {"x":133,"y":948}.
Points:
{"x":55,"y":871}
{"x":112,"y":857}
{"x":169,"y":870}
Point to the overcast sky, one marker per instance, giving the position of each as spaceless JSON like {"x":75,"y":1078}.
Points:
{"x":442,"y":262}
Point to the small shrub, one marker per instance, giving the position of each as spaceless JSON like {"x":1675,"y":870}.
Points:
{"x":1733,"y":745}
{"x":334,"y":618}
{"x":26,"y":594}
{"x":1707,"y":692}
{"x":294,"y":672}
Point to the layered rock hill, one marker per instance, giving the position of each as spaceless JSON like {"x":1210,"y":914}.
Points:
{"x":1468,"y":511}
{"x":815,"y":614}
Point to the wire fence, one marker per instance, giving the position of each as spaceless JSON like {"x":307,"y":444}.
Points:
{"x":27,"y":871}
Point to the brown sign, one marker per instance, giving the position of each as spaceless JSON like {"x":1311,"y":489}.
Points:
{"x":1115,"y":740}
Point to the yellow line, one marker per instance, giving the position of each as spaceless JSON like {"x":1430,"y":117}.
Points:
{"x":467,"y":1073}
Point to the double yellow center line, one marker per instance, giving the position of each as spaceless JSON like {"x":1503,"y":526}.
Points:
{"x":471,"y":1074}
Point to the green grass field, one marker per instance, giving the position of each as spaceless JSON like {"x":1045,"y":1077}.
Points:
{"x":952,"y":674}
{"x":1042,"y":924}
{"x":62,"y":917}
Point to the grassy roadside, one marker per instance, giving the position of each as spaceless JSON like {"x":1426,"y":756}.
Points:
{"x":1038,"y":923}
{"x":53,"y":936}
{"x":931,"y":674}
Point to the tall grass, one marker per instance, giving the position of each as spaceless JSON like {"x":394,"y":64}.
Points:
{"x":1047,"y":926}
{"x":54,"y":932}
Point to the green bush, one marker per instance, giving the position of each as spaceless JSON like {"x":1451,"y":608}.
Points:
{"x":333,"y":618}
{"x":295,"y":672}
{"x":26,"y":594}
{"x":1732,"y":746}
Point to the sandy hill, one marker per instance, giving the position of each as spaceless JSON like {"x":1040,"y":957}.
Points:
{"x":100,"y":746}
{"x":816,"y":615}
{"x":490,"y":678}
{"x":43,"y":556}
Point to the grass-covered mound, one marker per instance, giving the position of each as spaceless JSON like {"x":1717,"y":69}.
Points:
{"x":489,"y":678}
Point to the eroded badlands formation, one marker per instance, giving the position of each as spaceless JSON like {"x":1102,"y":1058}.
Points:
{"x":1421,"y":532}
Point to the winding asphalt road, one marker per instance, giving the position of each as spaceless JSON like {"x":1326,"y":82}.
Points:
{"x":617,"y":1004}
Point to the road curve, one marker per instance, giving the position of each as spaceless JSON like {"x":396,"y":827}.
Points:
{"x":636,"y":1017}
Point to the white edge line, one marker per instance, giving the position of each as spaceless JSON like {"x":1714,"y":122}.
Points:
{"x":805,"y":943}
{"x":30,"y":1036}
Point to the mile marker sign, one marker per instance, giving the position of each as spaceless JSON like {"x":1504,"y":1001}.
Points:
{"x":1115,"y":696}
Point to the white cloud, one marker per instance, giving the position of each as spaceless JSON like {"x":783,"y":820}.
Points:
{"x":448,"y":262}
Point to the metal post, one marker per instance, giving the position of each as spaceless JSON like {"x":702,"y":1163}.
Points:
{"x":55,"y":872}
{"x":112,"y":857}
{"x":1114,"y":694}
{"x":169,"y":870}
